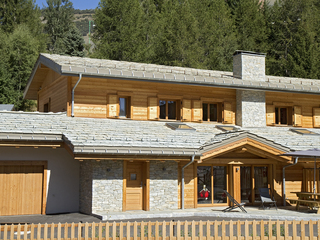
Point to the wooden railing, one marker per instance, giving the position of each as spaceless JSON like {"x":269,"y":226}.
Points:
{"x":165,"y":230}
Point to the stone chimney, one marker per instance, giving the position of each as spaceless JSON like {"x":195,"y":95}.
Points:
{"x":251,"y":104}
{"x":249,"y":65}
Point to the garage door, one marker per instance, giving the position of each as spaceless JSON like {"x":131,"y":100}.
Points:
{"x":21,"y":189}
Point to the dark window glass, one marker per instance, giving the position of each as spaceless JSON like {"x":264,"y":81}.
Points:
{"x":172,"y":110}
{"x":245,"y":178}
{"x":219,"y":184}
{"x":260,"y":180}
{"x":205,"y":112}
{"x":123,"y":107}
{"x":277,"y":115}
{"x":46,"y":107}
{"x":204,"y":185}
{"x":162,"y":105}
{"x":213,"y":112}
{"x":283,"y":116}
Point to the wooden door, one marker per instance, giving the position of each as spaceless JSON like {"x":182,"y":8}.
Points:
{"x":134,"y":188}
{"x":21,"y":188}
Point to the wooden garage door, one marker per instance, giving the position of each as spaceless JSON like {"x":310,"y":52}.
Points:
{"x":21,"y":188}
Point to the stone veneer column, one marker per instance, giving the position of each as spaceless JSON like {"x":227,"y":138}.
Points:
{"x":251,"y":108}
{"x":101,"y":185}
{"x":163,"y":185}
{"x":249,"y":66}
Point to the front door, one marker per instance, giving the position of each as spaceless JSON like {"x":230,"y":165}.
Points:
{"x":134,"y":188}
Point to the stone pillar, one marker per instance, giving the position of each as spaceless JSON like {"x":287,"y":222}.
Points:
{"x":249,"y":66}
{"x":101,"y":185}
{"x":251,"y":108}
{"x":163,"y":185}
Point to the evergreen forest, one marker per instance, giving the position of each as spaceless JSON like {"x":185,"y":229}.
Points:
{"x":190,"y":33}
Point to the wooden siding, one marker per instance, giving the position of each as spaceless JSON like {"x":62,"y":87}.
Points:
{"x":189,"y":186}
{"x":56,"y":93}
{"x":306,"y":102}
{"x":91,"y":98}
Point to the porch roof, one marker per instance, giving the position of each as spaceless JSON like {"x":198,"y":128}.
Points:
{"x":130,"y":137}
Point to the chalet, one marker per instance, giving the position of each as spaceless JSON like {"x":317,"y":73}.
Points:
{"x":118,"y":136}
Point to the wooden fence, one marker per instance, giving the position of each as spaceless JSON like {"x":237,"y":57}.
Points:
{"x":221,"y":230}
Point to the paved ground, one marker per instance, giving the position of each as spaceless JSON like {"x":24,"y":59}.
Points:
{"x":208,"y":213}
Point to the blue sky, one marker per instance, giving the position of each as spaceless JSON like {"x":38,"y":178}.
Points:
{"x":77,"y":4}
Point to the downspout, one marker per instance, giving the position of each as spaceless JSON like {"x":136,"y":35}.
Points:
{"x":182,"y":180}
{"x":72,"y":95}
{"x":284,"y":179}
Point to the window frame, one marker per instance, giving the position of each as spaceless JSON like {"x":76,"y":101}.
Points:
{"x":177,"y":110}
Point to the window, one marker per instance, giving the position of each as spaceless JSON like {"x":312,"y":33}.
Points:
{"x":212,"y":180}
{"x":47,"y":106}
{"x":211,"y":112}
{"x":124,"y":110}
{"x":283,"y":115}
{"x":168,"y":109}
{"x":119,"y":106}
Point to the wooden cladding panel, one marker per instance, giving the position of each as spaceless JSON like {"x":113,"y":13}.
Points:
{"x":112,"y":109}
{"x":153,"y":112}
{"x":271,"y":116}
{"x":196,"y":110}
{"x":297,"y":116}
{"x":95,"y":91}
{"x":57,"y":92}
{"x":186,"y":110}
{"x":21,"y":188}
{"x":189,"y":186}
{"x":316,"y":117}
{"x":227,"y":113}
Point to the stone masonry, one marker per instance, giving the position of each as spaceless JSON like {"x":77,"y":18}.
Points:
{"x":251,"y":108}
{"x":249,"y":66}
{"x":163,"y":185}
{"x":104,"y":182}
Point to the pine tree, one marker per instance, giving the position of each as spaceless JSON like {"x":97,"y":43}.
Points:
{"x":250,"y":21}
{"x":59,"y":21}
{"x":217,"y":37}
{"x":178,"y":43}
{"x":119,"y":32}
{"x":16,"y":12}
{"x":294,"y":39}
{"x":21,"y":50}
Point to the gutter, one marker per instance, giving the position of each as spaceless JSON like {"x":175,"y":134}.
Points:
{"x":284,"y":179}
{"x":72,"y":94}
{"x":182,"y":180}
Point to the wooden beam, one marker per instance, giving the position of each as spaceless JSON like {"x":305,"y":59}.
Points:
{"x":124,"y":187}
{"x":252,"y":146}
{"x":30,"y":144}
{"x":130,"y":158}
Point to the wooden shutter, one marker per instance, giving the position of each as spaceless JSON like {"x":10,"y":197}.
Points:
{"x":297,"y":116}
{"x":196,"y":110}
{"x":316,"y":117}
{"x":153,"y":108}
{"x":271,"y":116}
{"x":113,"y":106}
{"x":227,"y":112}
{"x":186,"y":110}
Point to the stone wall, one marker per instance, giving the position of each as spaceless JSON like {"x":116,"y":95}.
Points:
{"x":163,"y":185}
{"x":103,"y":181}
{"x":251,"y":108}
{"x":249,"y":66}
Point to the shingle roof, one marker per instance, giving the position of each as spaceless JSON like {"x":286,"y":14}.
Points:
{"x":89,"y":135}
{"x":67,"y":65}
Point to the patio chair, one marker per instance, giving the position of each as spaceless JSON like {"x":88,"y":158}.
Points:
{"x":266,"y":198}
{"x":234,"y":204}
